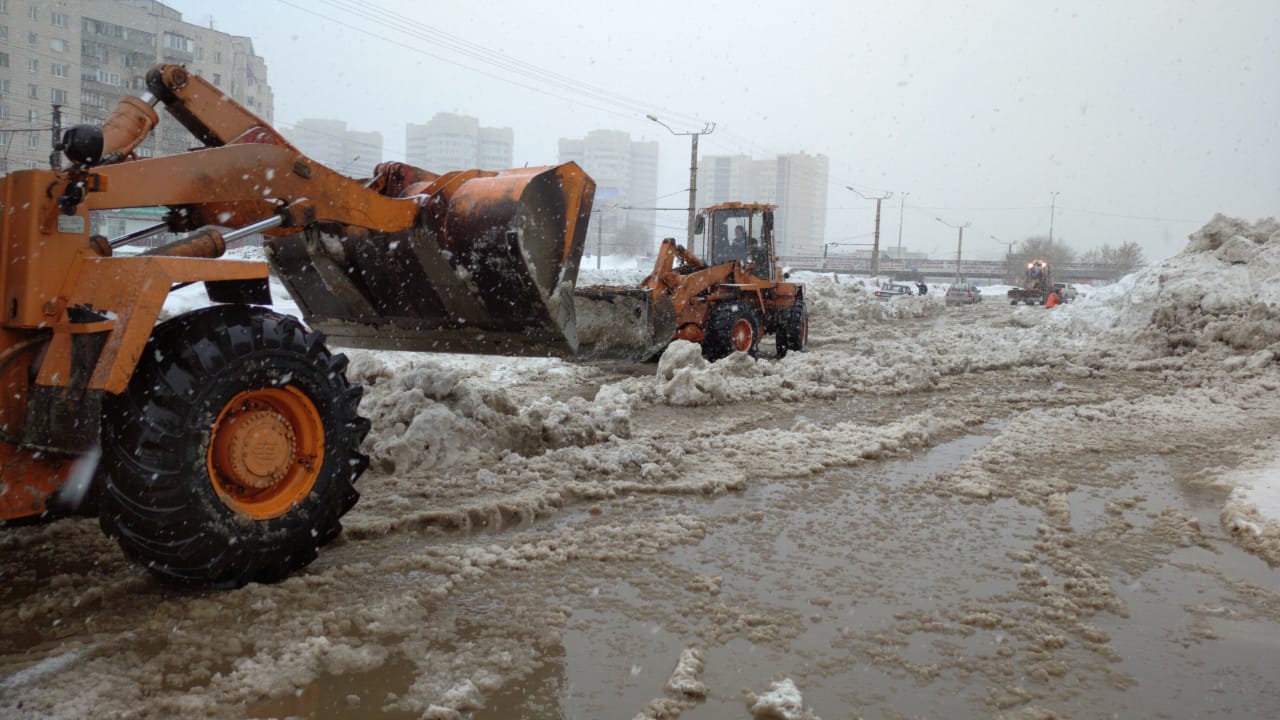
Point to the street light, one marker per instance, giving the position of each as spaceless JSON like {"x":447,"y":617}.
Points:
{"x":959,"y":242}
{"x":1053,"y":204}
{"x":875,"y":247}
{"x":707,"y":129}
{"x":901,"y":209}
{"x":1008,"y":255}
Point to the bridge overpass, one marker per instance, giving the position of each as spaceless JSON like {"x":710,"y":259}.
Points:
{"x":990,"y":271}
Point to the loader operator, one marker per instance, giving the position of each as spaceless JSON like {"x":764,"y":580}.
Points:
{"x":738,"y":246}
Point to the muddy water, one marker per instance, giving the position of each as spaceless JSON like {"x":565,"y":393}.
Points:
{"x":880,"y":598}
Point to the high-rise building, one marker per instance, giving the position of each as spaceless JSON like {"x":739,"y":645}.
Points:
{"x":86,"y":56}
{"x":796,"y":183}
{"x":626,"y":175}
{"x":449,"y":142}
{"x":329,"y":142}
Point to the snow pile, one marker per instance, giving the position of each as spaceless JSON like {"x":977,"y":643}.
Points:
{"x":1252,"y":512}
{"x":686,"y":679}
{"x":436,"y":414}
{"x":685,"y":379}
{"x":832,"y":303}
{"x":781,"y":702}
{"x":1223,"y":287}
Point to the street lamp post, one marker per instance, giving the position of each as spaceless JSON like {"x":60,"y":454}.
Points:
{"x":707,"y":129}
{"x":902,"y":206}
{"x":959,"y":242}
{"x":875,"y":247}
{"x":1008,"y":255}
{"x":1053,"y":205}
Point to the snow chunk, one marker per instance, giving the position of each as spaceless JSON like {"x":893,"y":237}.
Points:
{"x":781,"y":702}
{"x":686,"y":678}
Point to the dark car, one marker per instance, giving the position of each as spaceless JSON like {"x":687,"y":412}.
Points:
{"x":963,"y":294}
{"x":889,"y":291}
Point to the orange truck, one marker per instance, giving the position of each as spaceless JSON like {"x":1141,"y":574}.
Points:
{"x":728,"y":304}
{"x":222,"y":446}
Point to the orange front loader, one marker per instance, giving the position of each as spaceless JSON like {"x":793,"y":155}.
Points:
{"x":726,"y":305}
{"x":221,"y":446}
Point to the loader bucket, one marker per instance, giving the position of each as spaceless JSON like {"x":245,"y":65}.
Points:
{"x":623,"y":323}
{"x":489,"y":267}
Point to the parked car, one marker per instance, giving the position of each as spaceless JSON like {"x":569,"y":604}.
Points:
{"x":1066,"y":292}
{"x":889,"y":291}
{"x":963,"y":294}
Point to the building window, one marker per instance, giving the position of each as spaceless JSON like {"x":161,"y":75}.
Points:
{"x":31,"y":164}
{"x":32,"y":116}
{"x":58,"y":45}
{"x":33,"y":142}
{"x":4,"y":32}
{"x":33,"y":65}
{"x":33,"y":91}
{"x":4,"y":59}
{"x":94,"y":51}
{"x":217,"y":79}
{"x":4,"y":112}
{"x":58,"y":69}
{"x":59,"y":96}
{"x":59,"y":19}
{"x":173,"y":41}
{"x":33,"y":12}
{"x":93,"y":100}
{"x":4,"y":7}
{"x":33,"y":39}
{"x":217,"y":56}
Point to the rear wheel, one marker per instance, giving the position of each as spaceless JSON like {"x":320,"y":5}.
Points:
{"x":232,"y":454}
{"x":794,"y":334}
{"x":733,"y":327}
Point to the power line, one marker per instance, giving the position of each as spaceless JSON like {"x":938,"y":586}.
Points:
{"x":398,"y":21}
{"x":630,"y":115}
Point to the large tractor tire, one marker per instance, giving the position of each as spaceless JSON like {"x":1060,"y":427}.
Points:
{"x":733,"y":327}
{"x":794,"y":333}
{"x":231,"y":456}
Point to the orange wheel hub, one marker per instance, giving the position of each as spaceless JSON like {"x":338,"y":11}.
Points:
{"x":265,"y":451}
{"x":743,"y":335}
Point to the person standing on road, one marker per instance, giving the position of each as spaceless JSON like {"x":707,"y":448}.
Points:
{"x":1052,"y":300}
{"x":922,"y":288}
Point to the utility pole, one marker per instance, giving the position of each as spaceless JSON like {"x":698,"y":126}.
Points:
{"x":875,"y":247}
{"x":1008,"y":255}
{"x":959,"y":242}
{"x":901,"y":208}
{"x":1053,"y":205}
{"x":707,"y":129}
{"x":55,"y":159}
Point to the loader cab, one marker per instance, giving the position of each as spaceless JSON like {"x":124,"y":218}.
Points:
{"x":741,"y":232}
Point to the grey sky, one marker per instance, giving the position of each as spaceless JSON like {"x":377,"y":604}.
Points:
{"x":1165,"y":112}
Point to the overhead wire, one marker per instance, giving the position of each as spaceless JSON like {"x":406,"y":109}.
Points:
{"x":398,"y":22}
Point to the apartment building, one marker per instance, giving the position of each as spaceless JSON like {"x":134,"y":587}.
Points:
{"x":329,"y":142}
{"x":626,"y":175}
{"x":84,"y":56}
{"x":449,"y":141}
{"x":796,"y":183}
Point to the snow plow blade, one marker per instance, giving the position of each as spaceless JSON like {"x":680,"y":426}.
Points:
{"x":623,"y":323}
{"x":489,"y":267}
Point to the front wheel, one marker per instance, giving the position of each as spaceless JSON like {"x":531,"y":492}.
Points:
{"x":232,"y":454}
{"x":733,"y":327}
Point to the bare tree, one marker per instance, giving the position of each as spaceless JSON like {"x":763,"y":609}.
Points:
{"x":1116,"y":262}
